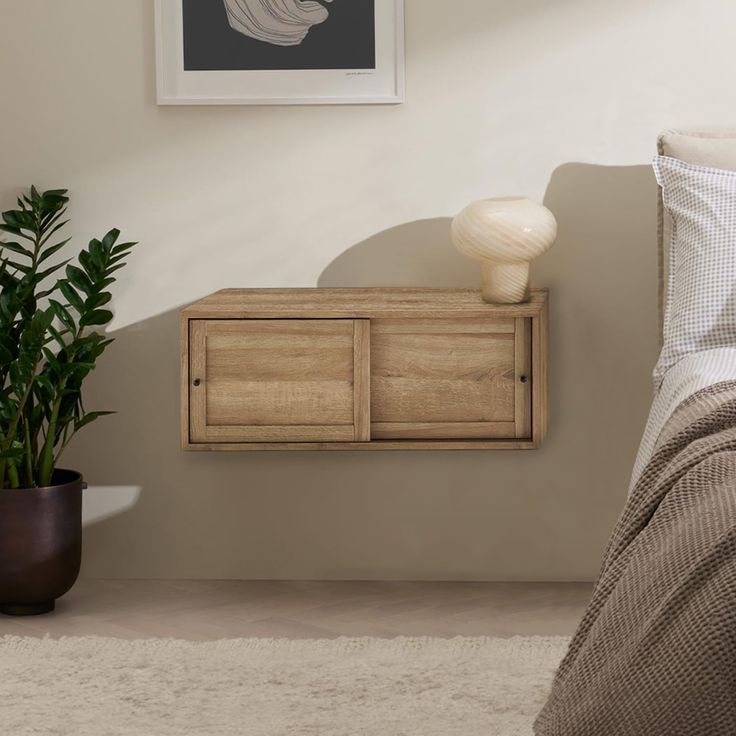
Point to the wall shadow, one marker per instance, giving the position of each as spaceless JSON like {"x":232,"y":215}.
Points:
{"x":416,"y":253}
{"x":602,"y":273}
{"x":541,"y":515}
{"x":603,"y":277}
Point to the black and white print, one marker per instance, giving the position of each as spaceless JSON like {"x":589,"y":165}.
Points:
{"x":279,"y":52}
{"x":261,"y":35}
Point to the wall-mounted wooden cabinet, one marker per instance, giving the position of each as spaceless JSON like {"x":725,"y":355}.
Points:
{"x":383,"y":368}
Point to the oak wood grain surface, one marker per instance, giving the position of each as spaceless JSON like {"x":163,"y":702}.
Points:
{"x":455,"y":375}
{"x":363,"y":303}
{"x":374,"y":368}
{"x":273,"y":380}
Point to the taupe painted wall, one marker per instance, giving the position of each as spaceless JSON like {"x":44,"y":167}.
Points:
{"x":503,"y":97}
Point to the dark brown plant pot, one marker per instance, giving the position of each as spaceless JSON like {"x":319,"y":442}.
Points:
{"x":40,"y":543}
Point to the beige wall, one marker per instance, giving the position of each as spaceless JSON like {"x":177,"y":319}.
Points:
{"x":503,"y":97}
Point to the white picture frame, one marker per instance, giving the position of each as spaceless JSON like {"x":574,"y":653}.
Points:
{"x":383,"y":84}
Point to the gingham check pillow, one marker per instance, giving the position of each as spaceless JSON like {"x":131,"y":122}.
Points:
{"x":701,"y":293}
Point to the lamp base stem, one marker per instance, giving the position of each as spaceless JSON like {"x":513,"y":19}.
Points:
{"x":505,"y":283}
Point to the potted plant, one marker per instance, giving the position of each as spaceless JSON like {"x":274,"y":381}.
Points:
{"x":52,"y":318}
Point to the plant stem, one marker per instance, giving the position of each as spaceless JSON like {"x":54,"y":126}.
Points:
{"x":46,"y":463}
{"x":28,"y":454}
{"x":65,"y":441}
{"x":13,"y":429}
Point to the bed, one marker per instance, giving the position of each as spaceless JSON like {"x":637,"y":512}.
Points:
{"x":655,"y":653}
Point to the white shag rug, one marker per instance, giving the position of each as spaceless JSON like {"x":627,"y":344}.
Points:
{"x":259,"y":687}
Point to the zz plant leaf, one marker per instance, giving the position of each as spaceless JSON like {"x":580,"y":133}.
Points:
{"x":51,"y":333}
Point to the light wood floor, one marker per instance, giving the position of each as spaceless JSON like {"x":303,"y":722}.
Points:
{"x":202,"y":610}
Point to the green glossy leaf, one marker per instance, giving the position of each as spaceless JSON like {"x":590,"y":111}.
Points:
{"x":71,"y":296}
{"x":58,"y":336}
{"x":19,"y":219}
{"x":52,"y":360}
{"x":18,"y":232}
{"x":22,"y":267}
{"x":51,"y":225}
{"x":91,"y":417}
{"x":44,"y":381}
{"x":115,"y":268}
{"x":79,"y":279}
{"x":110,"y":239}
{"x":122,"y":248}
{"x":48,"y":252}
{"x":63,"y":314}
{"x":45,"y":274}
{"x":97,"y":300}
{"x":96,"y":317}
{"x":17,"y":248}
{"x":91,"y":268}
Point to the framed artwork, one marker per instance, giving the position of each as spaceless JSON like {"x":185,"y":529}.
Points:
{"x":279,"y":52}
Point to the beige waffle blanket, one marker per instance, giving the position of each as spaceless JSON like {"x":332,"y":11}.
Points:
{"x":655,"y":654}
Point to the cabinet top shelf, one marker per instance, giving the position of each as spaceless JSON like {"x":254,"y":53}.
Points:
{"x":374,"y":302}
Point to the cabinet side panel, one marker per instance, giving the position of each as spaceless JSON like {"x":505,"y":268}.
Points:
{"x":184,"y":381}
{"x":540,"y":363}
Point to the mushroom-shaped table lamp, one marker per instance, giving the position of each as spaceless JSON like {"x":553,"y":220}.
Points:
{"x":505,"y":235}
